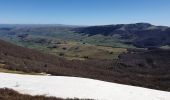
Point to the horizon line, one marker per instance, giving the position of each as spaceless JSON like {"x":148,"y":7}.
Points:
{"x":79,"y":24}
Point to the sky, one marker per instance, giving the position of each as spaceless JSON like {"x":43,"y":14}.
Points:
{"x":84,"y":12}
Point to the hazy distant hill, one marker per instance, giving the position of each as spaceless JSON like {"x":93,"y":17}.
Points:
{"x":142,"y":35}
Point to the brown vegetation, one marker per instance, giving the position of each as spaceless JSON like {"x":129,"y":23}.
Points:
{"x":140,"y":68}
{"x":8,"y":94}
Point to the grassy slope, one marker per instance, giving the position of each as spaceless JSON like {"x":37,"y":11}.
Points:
{"x":77,"y":46}
{"x":146,"y":69}
{"x":72,"y":49}
{"x":86,"y":51}
{"x":18,"y":72}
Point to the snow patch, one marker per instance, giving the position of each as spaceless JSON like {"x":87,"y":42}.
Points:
{"x":70,"y":87}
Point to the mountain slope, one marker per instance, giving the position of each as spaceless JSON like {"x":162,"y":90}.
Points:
{"x":141,"y":35}
{"x":140,"y":68}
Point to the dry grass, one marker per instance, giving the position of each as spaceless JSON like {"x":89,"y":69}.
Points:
{"x":18,"y":72}
{"x":76,"y":50}
{"x":2,"y":65}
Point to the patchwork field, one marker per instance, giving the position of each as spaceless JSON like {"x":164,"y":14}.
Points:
{"x":74,"y":50}
{"x":78,"y":50}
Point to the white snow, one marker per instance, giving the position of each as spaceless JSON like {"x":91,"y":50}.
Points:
{"x":71,"y":87}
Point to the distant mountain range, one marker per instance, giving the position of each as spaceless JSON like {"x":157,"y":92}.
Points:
{"x":141,"y":35}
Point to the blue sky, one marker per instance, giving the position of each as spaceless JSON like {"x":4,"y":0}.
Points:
{"x":84,"y":12}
